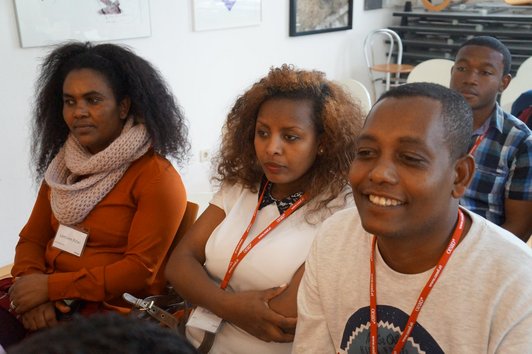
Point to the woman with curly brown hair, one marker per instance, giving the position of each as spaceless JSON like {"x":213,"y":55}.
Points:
{"x":282,"y":167}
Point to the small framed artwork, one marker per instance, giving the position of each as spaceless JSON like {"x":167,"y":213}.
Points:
{"x":218,"y":14}
{"x":319,"y":16}
{"x":48,"y":22}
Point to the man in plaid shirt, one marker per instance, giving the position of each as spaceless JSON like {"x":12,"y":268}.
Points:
{"x":501,"y":189}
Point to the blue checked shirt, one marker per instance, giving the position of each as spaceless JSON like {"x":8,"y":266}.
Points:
{"x":503,"y":167}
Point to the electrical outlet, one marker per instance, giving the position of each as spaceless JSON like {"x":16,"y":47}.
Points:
{"x":204,"y":155}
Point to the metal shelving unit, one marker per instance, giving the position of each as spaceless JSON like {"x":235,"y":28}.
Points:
{"x":428,"y":35}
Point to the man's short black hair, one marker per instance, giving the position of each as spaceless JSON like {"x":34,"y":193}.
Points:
{"x":495,"y":44}
{"x":102,"y":334}
{"x":455,"y":112}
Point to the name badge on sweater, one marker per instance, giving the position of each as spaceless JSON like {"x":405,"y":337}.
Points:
{"x":204,"y":319}
{"x":70,"y":240}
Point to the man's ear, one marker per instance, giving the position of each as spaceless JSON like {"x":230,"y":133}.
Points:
{"x":505,"y":82}
{"x":464,"y":168}
{"x":124,"y":107}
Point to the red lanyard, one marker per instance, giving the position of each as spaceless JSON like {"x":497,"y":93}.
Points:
{"x":238,"y":256}
{"x":478,"y":140}
{"x":457,"y":234}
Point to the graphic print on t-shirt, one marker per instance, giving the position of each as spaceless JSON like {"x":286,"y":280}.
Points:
{"x":391,"y":322}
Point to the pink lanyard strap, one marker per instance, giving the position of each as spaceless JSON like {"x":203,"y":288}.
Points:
{"x":238,"y":255}
{"x":457,"y":234}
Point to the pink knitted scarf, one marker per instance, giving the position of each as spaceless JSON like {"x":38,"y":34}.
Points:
{"x":72,"y":198}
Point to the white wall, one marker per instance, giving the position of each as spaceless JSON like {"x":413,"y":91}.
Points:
{"x":207,"y":71}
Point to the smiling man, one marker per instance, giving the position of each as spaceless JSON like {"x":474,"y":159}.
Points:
{"x":409,"y":271}
{"x":501,"y":189}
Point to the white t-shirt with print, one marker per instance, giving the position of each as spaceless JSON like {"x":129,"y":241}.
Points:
{"x":480,"y":304}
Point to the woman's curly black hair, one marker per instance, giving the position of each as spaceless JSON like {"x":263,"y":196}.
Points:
{"x":338,"y":120}
{"x":128,"y":75}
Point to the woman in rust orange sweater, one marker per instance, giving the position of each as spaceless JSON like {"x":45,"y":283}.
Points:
{"x":110,"y":202}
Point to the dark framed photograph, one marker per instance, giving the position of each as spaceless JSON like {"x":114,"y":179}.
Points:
{"x":319,"y":16}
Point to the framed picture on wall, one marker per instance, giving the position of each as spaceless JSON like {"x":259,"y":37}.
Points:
{"x":318,"y":16}
{"x":48,"y":22}
{"x":217,"y":14}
